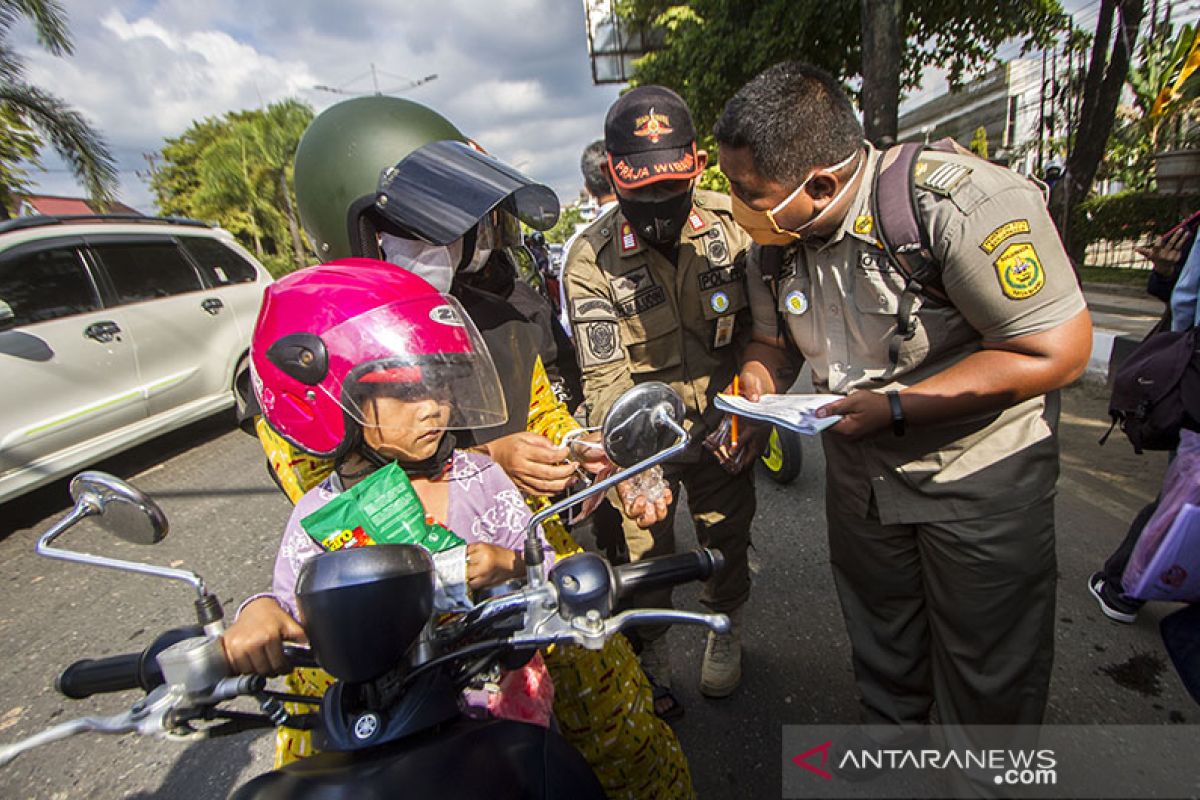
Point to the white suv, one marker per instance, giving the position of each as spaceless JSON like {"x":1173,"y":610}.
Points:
{"x":114,"y":330}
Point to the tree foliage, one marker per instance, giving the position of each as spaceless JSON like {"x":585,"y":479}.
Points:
{"x":712,"y":47}
{"x":29,"y":116}
{"x":1147,"y":125}
{"x":236,"y":171}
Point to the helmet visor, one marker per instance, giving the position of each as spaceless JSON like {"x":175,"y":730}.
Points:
{"x":442,"y":190}
{"x":425,"y":352}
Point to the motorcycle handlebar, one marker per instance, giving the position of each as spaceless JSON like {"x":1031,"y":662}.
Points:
{"x":95,"y":676}
{"x":694,"y":565}
{"x":118,"y":673}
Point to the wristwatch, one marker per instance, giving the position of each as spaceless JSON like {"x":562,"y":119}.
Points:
{"x":897,"y":412}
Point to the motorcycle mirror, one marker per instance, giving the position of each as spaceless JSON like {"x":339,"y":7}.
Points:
{"x":633,"y":428}
{"x":121,"y":509}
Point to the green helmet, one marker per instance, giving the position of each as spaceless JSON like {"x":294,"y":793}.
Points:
{"x":339,"y":162}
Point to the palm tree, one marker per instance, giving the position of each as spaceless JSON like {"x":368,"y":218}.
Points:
{"x":76,"y":142}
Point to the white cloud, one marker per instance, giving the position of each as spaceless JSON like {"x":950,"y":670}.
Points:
{"x":513,"y":74}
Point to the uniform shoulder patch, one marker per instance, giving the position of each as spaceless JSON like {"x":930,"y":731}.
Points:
{"x":598,"y":343}
{"x":1020,"y":271}
{"x":940,"y":177}
{"x":592,"y":308}
{"x":1005,"y":231}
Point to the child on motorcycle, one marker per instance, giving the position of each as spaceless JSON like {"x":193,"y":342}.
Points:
{"x":370,"y":365}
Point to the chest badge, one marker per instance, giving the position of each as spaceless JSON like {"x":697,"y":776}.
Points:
{"x":719,"y":302}
{"x":695,"y":221}
{"x":796,"y":302}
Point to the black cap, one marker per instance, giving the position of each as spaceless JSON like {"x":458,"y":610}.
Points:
{"x":650,"y":137}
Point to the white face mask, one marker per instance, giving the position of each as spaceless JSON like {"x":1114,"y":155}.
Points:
{"x":435,"y":263}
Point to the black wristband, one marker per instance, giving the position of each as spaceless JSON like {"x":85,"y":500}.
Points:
{"x":897,"y":412}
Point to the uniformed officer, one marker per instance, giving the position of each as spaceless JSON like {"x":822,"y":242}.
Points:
{"x":940,"y":475}
{"x":656,"y":291}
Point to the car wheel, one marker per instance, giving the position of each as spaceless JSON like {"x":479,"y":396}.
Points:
{"x":242,"y":392}
{"x":784,"y":457}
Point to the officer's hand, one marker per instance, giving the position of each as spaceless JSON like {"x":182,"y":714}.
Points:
{"x":254,"y":642}
{"x":638,"y":507}
{"x":752,"y":384}
{"x":489,"y":564}
{"x":863,"y":413}
{"x":533,"y":463}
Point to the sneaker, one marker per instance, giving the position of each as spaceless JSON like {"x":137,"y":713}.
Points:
{"x":722,"y":669}
{"x":1114,"y":605}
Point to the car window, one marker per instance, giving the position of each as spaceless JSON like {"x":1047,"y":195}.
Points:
{"x":146,"y":270}
{"x":47,"y":285}
{"x":220,"y":265}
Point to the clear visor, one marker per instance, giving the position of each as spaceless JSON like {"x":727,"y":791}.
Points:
{"x":414,"y":364}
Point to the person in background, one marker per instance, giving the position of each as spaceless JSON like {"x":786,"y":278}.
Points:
{"x":597,"y":182}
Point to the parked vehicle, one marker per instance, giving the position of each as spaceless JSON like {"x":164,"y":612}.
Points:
{"x":113,"y":330}
{"x":391,"y":725}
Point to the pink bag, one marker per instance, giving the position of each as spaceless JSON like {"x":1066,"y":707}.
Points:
{"x":522,"y":695}
{"x":1165,"y":563}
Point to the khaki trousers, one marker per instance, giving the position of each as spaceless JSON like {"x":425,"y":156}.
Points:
{"x":960,"y":614}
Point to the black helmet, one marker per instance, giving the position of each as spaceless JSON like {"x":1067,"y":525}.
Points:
{"x":339,"y":162}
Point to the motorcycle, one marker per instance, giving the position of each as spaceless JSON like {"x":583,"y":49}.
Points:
{"x":392,"y":722}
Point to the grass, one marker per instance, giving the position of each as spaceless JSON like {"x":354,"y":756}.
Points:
{"x":1114,"y":275}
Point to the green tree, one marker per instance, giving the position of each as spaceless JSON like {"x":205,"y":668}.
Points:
{"x":979,"y":142}
{"x":19,"y":146}
{"x":30,"y":115}
{"x":712,"y":47}
{"x":565,"y":227}
{"x":1148,"y":124}
{"x":1117,"y":24}
{"x":237,"y":171}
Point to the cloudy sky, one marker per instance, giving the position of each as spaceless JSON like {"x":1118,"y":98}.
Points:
{"x":513,"y":74}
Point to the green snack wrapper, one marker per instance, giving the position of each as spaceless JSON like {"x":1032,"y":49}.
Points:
{"x":381,"y":509}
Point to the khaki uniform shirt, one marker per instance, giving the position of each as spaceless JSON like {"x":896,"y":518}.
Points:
{"x":637,"y":317}
{"x":1005,"y":273}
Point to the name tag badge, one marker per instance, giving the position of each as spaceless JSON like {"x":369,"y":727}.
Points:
{"x":724,"y":331}
{"x":796,"y":302}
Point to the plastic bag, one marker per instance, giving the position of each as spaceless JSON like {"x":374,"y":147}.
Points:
{"x":1165,"y":563}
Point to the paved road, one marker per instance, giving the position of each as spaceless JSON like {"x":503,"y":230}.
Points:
{"x":226,"y":517}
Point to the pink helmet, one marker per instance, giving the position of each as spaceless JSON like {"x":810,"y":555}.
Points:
{"x":327,"y":336}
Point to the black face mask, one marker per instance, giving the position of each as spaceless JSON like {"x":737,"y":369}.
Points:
{"x":658,"y":221}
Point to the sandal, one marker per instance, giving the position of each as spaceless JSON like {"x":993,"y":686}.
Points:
{"x":666,"y":705}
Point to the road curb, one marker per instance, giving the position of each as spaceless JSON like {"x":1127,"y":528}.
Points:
{"x":1109,"y":351}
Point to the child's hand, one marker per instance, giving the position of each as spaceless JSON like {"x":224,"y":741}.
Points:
{"x":489,"y":564}
{"x":533,"y":463}
{"x":254,"y":643}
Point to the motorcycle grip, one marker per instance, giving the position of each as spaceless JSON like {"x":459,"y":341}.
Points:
{"x":651,"y":573}
{"x":96,"y":676}
{"x":118,"y":673}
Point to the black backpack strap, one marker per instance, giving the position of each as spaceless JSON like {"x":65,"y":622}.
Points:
{"x":904,"y":240}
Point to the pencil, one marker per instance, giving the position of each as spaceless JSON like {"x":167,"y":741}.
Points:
{"x":733,"y":431}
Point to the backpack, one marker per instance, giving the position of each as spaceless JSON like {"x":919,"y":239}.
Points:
{"x":1156,"y":392}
